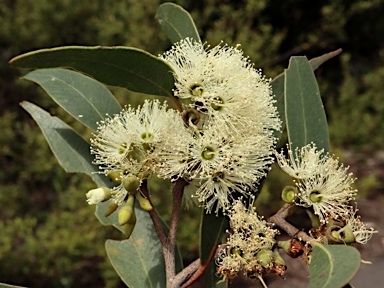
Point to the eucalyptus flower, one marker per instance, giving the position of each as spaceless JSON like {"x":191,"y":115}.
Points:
{"x":323,"y":183}
{"x":224,"y":163}
{"x":361,"y":233}
{"x":123,"y":143}
{"x":249,"y":246}
{"x":223,"y":86}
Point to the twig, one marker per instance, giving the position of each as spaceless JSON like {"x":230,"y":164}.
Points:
{"x":186,"y":273}
{"x":155,"y":218}
{"x":170,"y":243}
{"x":200,"y":271}
{"x":279,"y":220}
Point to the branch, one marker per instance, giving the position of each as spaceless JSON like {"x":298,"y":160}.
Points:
{"x":279,"y":220}
{"x":153,"y":214}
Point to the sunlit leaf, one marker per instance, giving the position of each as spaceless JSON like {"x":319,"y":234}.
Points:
{"x":304,"y":111}
{"x":333,"y":265}
{"x":126,"y":67}
{"x":176,"y":22}
{"x":84,"y":98}
{"x":278,"y":85}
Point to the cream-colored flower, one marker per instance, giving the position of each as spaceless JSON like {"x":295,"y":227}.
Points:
{"x":128,"y":138}
{"x":250,"y":237}
{"x":302,"y":163}
{"x":323,"y":183}
{"x":360,"y":232}
{"x":223,"y":86}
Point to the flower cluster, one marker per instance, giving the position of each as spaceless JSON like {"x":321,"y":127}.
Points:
{"x":222,"y":140}
{"x":249,"y":247}
{"x":324,"y":185}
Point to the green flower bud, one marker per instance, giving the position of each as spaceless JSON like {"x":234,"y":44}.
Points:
{"x":131,"y":184}
{"x":128,"y":228}
{"x":289,"y":194}
{"x":110,"y":209}
{"x":115,"y":176}
{"x":126,"y":211}
{"x":264,"y":257}
{"x":277,"y":257}
{"x":144,"y":202}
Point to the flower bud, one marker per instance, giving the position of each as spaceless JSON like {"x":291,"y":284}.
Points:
{"x":277,"y":257}
{"x":144,"y":202}
{"x":289,"y":194}
{"x":131,"y":184}
{"x":98,"y":195}
{"x":110,"y":209}
{"x":128,"y":228}
{"x":264,"y":257}
{"x":115,"y":176}
{"x":126,"y":211}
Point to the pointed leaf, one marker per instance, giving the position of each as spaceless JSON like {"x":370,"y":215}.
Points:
{"x":304,"y":111}
{"x":212,"y":228}
{"x":333,"y":265}
{"x":86,"y":99}
{"x":145,"y":222}
{"x":176,"y":22}
{"x":2,"y":285}
{"x":278,"y":85}
{"x":317,"y":61}
{"x":139,"y":260}
{"x":70,"y":149}
{"x":278,"y":90}
{"x":126,"y":67}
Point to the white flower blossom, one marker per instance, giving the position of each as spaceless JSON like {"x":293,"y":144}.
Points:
{"x":124,"y":141}
{"x":323,"y":183}
{"x":249,"y":236}
{"x":301,"y":163}
{"x":223,"y":162}
{"x":223,"y":85}
{"x":360,"y":232}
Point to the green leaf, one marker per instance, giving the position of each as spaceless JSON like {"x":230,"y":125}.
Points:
{"x":176,"y":22}
{"x":212,"y":228}
{"x":317,"y":61}
{"x":333,"y":265}
{"x":278,"y":85}
{"x":278,"y":90}
{"x":145,"y":221}
{"x":126,"y":67}
{"x":86,"y":99}
{"x":304,"y":111}
{"x":2,"y":285}
{"x":139,"y":260}
{"x":69,"y":148}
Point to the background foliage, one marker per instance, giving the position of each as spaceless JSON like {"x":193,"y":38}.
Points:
{"x":50,"y":236}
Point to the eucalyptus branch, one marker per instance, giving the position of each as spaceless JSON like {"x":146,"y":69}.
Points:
{"x":186,"y":273}
{"x":200,"y":270}
{"x":170,"y":243}
{"x":279,"y":220}
{"x":153,"y":214}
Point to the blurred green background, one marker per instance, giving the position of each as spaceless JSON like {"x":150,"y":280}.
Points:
{"x":49,"y":235}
